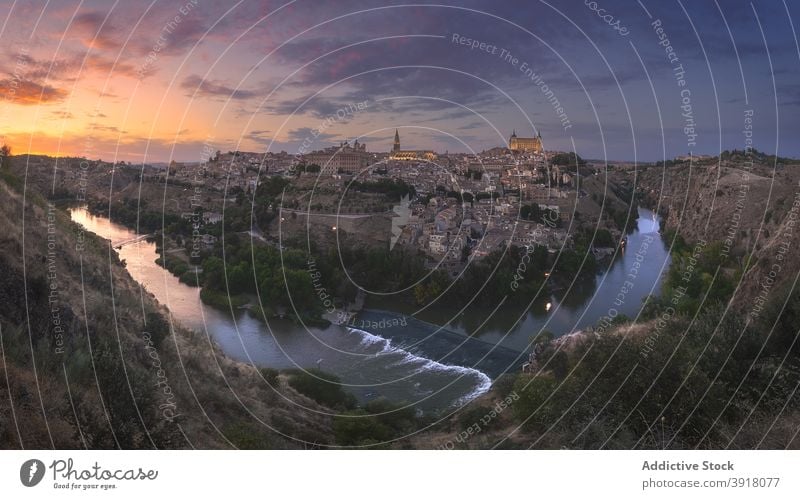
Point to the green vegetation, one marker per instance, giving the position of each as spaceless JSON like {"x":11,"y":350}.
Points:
{"x":245,"y":437}
{"x":322,"y":387}
{"x":567,"y":159}
{"x":578,"y":261}
{"x":111,"y":401}
{"x":699,"y":275}
{"x":282,"y":278}
{"x":270,"y":375}
{"x":544,"y":216}
{"x":500,"y":274}
{"x":375,"y":424}
{"x":680,"y":384}
{"x":221,"y":300}
{"x":665,"y":389}
{"x":604,"y":239}
{"x":623,"y":218}
{"x":135,"y":213}
{"x":10,"y":179}
{"x":5,"y":155}
{"x":180,"y":268}
{"x":753,"y":155}
{"x":392,"y":189}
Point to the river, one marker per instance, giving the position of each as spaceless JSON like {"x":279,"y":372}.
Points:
{"x":390,"y":354}
{"x":577,"y":307}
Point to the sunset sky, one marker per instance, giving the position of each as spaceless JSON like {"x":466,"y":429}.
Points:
{"x":154,"y":81}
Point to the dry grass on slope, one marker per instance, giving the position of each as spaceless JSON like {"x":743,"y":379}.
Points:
{"x":80,"y":367}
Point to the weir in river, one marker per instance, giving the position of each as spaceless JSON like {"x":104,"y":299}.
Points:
{"x":439,"y":344}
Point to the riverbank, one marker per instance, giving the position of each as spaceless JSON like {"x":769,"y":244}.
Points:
{"x":400,"y":355}
{"x":94,"y":361}
{"x":577,"y":303}
{"x":369,"y":367}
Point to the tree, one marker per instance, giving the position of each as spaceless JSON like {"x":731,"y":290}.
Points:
{"x":604,"y":239}
{"x":567,"y":159}
{"x":214,"y":273}
{"x":322,"y":387}
{"x":5,"y":152}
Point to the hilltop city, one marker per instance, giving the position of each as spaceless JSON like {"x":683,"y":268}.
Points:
{"x":460,"y":205}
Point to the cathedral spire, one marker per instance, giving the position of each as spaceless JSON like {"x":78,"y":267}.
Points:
{"x":396,"y":140}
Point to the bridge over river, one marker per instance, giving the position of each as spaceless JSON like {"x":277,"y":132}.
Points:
{"x":133,"y":240}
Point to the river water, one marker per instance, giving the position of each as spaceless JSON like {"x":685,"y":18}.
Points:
{"x":580,"y":305}
{"x":391,"y":355}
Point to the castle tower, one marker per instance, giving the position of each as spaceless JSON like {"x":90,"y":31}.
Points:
{"x":512,"y":142}
{"x":396,"y":141}
{"x":525,"y":144}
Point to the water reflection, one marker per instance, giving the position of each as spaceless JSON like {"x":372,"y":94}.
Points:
{"x":370,"y":366}
{"x":580,"y":305}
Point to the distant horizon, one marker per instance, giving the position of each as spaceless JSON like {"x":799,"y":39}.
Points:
{"x":585,"y":158}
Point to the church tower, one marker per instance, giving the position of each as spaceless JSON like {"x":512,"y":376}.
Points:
{"x":396,"y":141}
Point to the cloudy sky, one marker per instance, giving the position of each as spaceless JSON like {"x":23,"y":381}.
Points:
{"x":154,"y":81}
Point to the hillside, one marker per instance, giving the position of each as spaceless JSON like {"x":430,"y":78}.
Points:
{"x":91,"y":361}
{"x":711,"y":382}
{"x":80,"y":338}
{"x":713,"y":362}
{"x":749,"y":206}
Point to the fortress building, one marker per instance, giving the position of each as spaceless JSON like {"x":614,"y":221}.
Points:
{"x":525,"y":144}
{"x":343,"y":159}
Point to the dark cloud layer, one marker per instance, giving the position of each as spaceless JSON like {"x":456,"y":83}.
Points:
{"x":403,"y":61}
{"x":198,"y":88}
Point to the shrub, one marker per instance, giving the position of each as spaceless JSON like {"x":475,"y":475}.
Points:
{"x":158,"y":327}
{"x":322,"y":387}
{"x":504,"y":385}
{"x":244,"y":437}
{"x":270,"y":375}
{"x":360,"y":428}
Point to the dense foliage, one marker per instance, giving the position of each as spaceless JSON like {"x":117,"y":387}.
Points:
{"x":322,"y":387}
{"x":567,"y":159}
{"x":376,"y":424}
{"x":701,"y":383}
{"x":704,"y":374}
{"x":392,"y":189}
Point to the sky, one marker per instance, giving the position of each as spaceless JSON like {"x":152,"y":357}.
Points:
{"x":155,"y":81}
